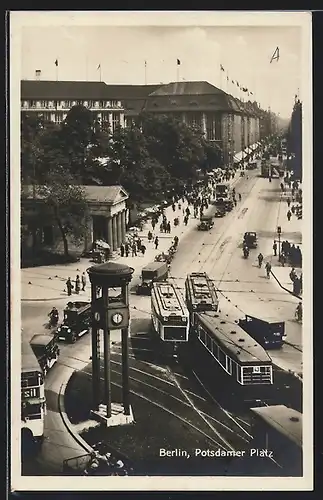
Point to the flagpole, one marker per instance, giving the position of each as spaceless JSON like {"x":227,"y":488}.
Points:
{"x":145,"y":72}
{"x":56,"y":69}
{"x":86,"y":68}
{"x":100,"y":73}
{"x":177,"y":72}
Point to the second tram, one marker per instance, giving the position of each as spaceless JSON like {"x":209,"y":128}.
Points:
{"x":200,"y":294}
{"x":235,"y":356}
{"x":170,"y":316}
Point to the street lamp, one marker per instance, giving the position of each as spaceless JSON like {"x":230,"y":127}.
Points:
{"x":279,"y":230}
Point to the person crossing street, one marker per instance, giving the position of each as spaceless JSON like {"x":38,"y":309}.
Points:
{"x":268,"y":269}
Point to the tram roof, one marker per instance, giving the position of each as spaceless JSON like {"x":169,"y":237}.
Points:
{"x":201,"y":287}
{"x":286,"y":420}
{"x":41,"y":339}
{"x":29,"y":362}
{"x":169,"y":299}
{"x":234,"y":339}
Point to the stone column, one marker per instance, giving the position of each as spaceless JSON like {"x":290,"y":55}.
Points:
{"x":123,"y":226}
{"x":114,"y":234}
{"x":119,"y":229}
{"x":110,"y":234}
{"x":204,"y":123}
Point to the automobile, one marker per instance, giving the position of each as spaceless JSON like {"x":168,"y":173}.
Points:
{"x":250,"y":239}
{"x":155,"y":271}
{"x":206,"y":223}
{"x":76,"y":323}
{"x":219,"y":212}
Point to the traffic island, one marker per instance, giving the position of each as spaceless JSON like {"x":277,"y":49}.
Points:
{"x":118,"y":417}
{"x":163,"y":440}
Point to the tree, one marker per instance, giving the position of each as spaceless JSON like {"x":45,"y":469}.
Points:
{"x":67,"y":204}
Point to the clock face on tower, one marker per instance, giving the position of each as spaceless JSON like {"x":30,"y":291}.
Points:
{"x":117,"y":318}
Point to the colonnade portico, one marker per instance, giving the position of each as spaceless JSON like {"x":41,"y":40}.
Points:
{"x":116,"y":233}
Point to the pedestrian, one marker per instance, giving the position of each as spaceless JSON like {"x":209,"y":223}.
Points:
{"x":188,"y":212}
{"x":185,"y":220}
{"x":161,"y":227}
{"x":83,"y":279}
{"x":289,"y":214}
{"x":239,"y":197}
{"x":134,"y":250}
{"x":283,"y":259}
{"x":69,"y":286}
{"x":235,"y":202}
{"x":138,"y":244}
{"x":122,"y":249}
{"x":153,"y":224}
{"x":77,"y":284}
{"x":268,"y":269}
{"x":297,"y":286}
{"x":126,"y":247}
{"x":275,"y":248}
{"x":292,"y":252}
{"x":173,"y":207}
{"x":288,"y":202}
{"x":168,"y":227}
{"x":298,"y":253}
{"x":293,"y":210}
{"x":293,"y":275}
{"x":150,"y":236}
{"x":260,"y":259}
{"x":156,"y":242}
{"x":143,"y":249}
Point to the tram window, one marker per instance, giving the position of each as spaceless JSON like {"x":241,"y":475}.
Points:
{"x":209,"y":343}
{"x":222,"y":358}
{"x":215,"y":350}
{"x":202,"y":335}
{"x":229,"y":365}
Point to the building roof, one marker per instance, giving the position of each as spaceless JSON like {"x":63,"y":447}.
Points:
{"x":187,"y":88}
{"x":48,"y":89}
{"x":98,"y":194}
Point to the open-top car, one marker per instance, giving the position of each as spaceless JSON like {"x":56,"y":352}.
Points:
{"x":250,"y":239}
{"x":206,"y":223}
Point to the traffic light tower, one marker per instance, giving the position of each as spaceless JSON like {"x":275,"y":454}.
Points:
{"x":110,"y":311}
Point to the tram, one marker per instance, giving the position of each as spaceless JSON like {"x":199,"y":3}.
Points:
{"x":279,"y":429}
{"x":169,"y":314}
{"x":200,"y":294}
{"x":33,"y":401}
{"x":235,"y":356}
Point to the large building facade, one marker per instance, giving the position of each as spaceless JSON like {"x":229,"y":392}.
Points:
{"x":228,"y":122}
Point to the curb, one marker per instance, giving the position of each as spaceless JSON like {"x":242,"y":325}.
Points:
{"x":43,"y":300}
{"x":66,"y":421}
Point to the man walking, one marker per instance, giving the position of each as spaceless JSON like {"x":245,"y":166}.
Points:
{"x":83,"y":279}
{"x":69,"y":286}
{"x":275,"y":248}
{"x":289,"y":214}
{"x":268,"y":269}
{"x":156,"y":242}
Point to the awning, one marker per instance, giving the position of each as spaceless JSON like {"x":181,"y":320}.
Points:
{"x":238,"y":156}
{"x":102,"y":244}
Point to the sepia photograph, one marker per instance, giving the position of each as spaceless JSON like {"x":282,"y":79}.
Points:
{"x":161,"y":228}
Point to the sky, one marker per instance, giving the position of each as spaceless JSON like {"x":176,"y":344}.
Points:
{"x":121,"y":51}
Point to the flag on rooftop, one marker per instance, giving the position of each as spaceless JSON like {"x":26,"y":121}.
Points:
{"x":99,"y":66}
{"x":56,"y":62}
{"x":221,"y":67}
{"x":178,"y":62}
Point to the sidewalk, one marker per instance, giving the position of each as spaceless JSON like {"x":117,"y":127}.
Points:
{"x":47,"y":283}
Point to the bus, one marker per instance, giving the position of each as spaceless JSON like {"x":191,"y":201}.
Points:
{"x":46,"y":350}
{"x":76,"y":323}
{"x":33,"y":401}
{"x":200,"y":294}
{"x":279,"y":429}
{"x":222,"y":192}
{"x":169,"y":314}
{"x":231,"y":357}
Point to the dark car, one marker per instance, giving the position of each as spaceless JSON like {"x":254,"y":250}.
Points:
{"x":219,"y":212}
{"x":250,"y":239}
{"x":206,"y":223}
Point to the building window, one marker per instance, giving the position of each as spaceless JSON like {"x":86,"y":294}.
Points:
{"x":58,"y":118}
{"x":48,"y":235}
{"x":115,"y":121}
{"x":211,"y":127}
{"x":32,"y":104}
{"x":47,"y":117}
